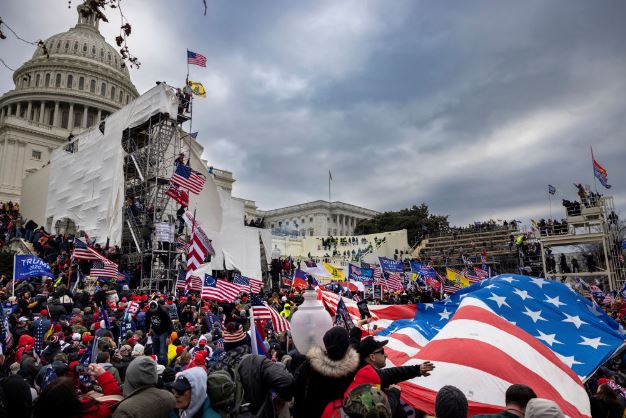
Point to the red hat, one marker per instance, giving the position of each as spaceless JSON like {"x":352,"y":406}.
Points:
{"x":132,"y":340}
{"x":603,"y":381}
{"x":86,"y":339}
{"x":124,"y":299}
{"x":188,"y":325}
{"x":179,"y":350}
{"x":57,"y":328}
{"x":202,"y":342}
{"x":43,"y":312}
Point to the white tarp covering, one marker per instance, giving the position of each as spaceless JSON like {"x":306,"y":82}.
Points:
{"x":87,"y":186}
{"x":239,"y":244}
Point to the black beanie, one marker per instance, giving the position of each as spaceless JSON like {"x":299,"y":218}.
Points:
{"x":336,"y":342}
{"x":450,"y":403}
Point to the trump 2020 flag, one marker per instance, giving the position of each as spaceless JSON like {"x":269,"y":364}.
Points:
{"x":27,"y":265}
{"x":360,"y":274}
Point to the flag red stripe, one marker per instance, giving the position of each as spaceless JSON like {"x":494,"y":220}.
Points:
{"x":424,"y":400}
{"x":473,"y":353}
{"x":477,"y":314}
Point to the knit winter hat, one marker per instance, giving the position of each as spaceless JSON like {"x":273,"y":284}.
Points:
{"x":233,"y":336}
{"x":450,"y":403}
{"x":336,"y":342}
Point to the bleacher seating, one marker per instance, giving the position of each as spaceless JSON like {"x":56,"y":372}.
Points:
{"x":450,"y":247}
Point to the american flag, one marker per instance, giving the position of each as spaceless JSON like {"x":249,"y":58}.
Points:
{"x":263,"y":312}
{"x":483,"y":274}
{"x":491,"y":353}
{"x":104,"y":269}
{"x":185,"y":177}
{"x":198,"y":249}
{"x":471,"y":276}
{"x":393,"y":281}
{"x":181,"y":280}
{"x":196,"y":59}
{"x":84,"y":252}
{"x":181,"y":242}
{"x":219,"y":343}
{"x":254,"y":285}
{"x":219,"y":290}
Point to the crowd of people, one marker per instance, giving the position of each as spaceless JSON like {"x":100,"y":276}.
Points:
{"x":72,"y":352}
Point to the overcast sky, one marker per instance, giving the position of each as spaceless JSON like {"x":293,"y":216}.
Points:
{"x":472,"y":107}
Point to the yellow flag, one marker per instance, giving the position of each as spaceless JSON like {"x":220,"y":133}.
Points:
{"x":457,"y":277}
{"x":197,"y":88}
{"x":336,"y":273}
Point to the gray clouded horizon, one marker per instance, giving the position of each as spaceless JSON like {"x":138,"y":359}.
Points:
{"x":471,"y":107}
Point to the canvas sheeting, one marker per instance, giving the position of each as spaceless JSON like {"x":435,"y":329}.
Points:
{"x":88,"y":185}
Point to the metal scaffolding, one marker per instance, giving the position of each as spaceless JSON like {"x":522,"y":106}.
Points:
{"x":148,"y":237}
{"x":590,"y":231}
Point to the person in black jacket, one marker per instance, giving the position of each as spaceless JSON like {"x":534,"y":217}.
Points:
{"x":260,"y":377}
{"x":160,"y":324}
{"x":325,"y":374}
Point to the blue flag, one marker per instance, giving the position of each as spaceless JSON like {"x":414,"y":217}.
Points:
{"x":50,"y":376}
{"x":388,"y":264}
{"x":422,"y":270}
{"x":342,"y":318}
{"x":105,"y":317}
{"x":582,"y":335}
{"x":360,"y":274}
{"x":29,"y":266}
{"x":551,"y":189}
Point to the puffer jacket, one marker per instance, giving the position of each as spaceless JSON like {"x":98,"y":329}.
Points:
{"x":320,"y":380}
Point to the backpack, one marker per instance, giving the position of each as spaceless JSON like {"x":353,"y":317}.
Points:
{"x":226,"y":391}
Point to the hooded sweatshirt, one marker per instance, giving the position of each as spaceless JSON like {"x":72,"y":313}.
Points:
{"x":197,"y":378}
{"x":141,"y":372}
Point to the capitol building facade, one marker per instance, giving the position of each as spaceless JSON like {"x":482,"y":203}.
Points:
{"x":79,"y":84}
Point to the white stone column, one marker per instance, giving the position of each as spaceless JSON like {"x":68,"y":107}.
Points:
{"x":57,"y":120}
{"x":2,"y":112}
{"x":29,"y":111}
{"x":19,"y":109}
{"x":70,"y":119}
{"x":83,"y":123}
{"x":99,"y":116}
{"x":42,"y":110}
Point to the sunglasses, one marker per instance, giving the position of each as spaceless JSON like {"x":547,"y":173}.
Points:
{"x":379,"y":351}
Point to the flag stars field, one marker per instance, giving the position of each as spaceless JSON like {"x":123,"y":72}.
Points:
{"x":592,"y":342}
{"x":534,"y":315}
{"x":574,"y":319}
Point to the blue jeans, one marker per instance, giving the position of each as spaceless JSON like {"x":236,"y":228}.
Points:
{"x":159,"y":347}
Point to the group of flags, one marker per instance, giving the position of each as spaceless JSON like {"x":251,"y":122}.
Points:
{"x":195,"y":58}
{"x":100,"y":265}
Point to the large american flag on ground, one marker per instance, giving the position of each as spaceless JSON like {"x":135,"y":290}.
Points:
{"x":263,"y":312}
{"x":253,"y":285}
{"x":514,"y":319}
{"x":185,"y":177}
{"x":219,"y":290}
{"x":491,"y":354}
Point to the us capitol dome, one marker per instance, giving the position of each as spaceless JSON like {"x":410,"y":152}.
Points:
{"x":81,"y":83}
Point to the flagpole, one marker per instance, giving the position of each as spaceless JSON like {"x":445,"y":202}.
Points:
{"x":255,"y":348}
{"x":550,"y":200}
{"x":14,"y":272}
{"x":593,"y":168}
